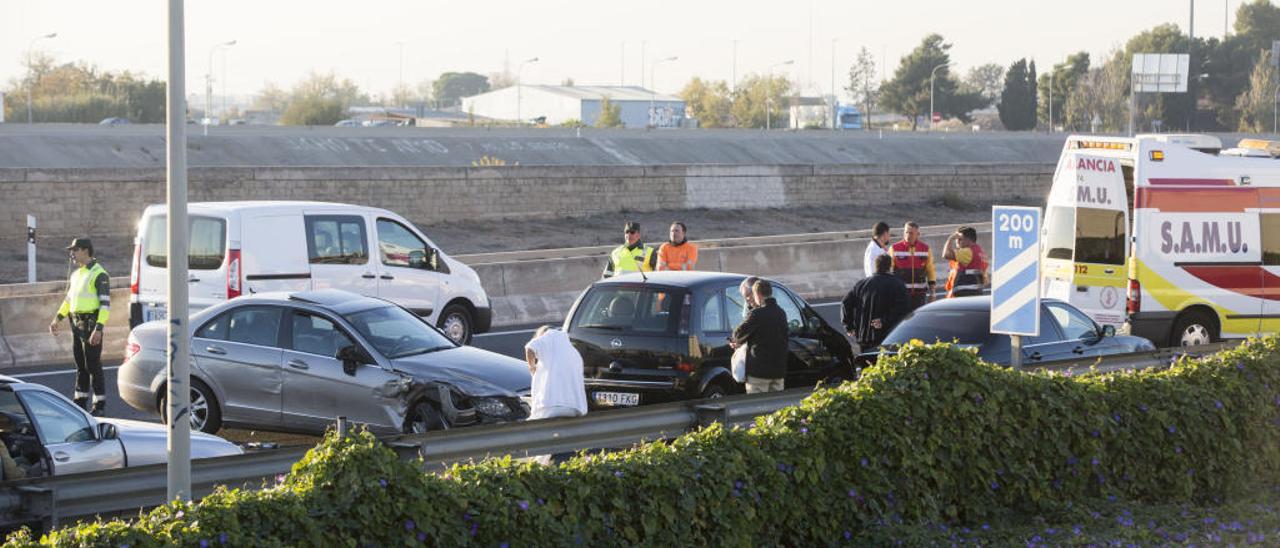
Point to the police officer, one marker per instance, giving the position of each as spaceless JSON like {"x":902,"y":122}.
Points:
{"x":632,"y":256}
{"x":87,"y":305}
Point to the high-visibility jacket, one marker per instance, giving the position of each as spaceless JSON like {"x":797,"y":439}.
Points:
{"x":630,"y":259}
{"x":913,"y":264}
{"x":88,"y":292}
{"x":966,"y":271}
{"x":682,"y":256}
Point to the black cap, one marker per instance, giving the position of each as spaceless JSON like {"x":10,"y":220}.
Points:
{"x":80,"y":243}
{"x":631,"y":226}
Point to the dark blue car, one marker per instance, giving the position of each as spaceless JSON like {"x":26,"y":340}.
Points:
{"x":1066,"y":333}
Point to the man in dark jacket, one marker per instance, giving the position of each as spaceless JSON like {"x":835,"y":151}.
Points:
{"x":875,"y":305}
{"x":764,"y":331}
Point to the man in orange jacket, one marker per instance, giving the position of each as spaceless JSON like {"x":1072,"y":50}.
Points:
{"x":913,"y":264}
{"x":678,"y":253}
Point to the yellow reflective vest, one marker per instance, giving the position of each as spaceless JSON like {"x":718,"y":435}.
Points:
{"x":83,"y":296}
{"x":624,"y":259}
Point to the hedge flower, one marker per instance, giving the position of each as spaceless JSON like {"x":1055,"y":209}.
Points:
{"x":382,"y":482}
{"x":408,"y":525}
{"x":524,"y":504}
{"x":422,"y":537}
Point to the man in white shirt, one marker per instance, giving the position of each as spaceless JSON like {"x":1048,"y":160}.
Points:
{"x":558,"y":389}
{"x":875,"y":248}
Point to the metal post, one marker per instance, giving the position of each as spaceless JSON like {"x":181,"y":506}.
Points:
{"x":931,"y":75}
{"x":733,"y":86}
{"x":622,"y":65}
{"x":1051,"y":71}
{"x":834,"y":103}
{"x":31,"y":249}
{"x":1015,"y":344}
{"x":1191,"y":54}
{"x":343,"y":427}
{"x":179,"y":374}
{"x":643,"y":44}
{"x":1133,"y":96}
{"x":208,"y":87}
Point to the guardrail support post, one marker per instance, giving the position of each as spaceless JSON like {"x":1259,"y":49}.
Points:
{"x":38,"y":503}
{"x":709,"y":413}
{"x":342,"y":427}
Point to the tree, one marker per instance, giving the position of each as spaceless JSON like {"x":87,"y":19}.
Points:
{"x":708,"y":101}
{"x":81,"y":93}
{"x":271,"y":99}
{"x":1017,"y":107}
{"x":1035,"y":92}
{"x":1099,"y":95}
{"x":759,"y":102}
{"x":610,"y":114}
{"x":1056,"y":85}
{"x":908,"y":93}
{"x":863,"y":84}
{"x":987,"y":80}
{"x":451,"y":87}
{"x":321,"y":100}
{"x":1257,"y":105}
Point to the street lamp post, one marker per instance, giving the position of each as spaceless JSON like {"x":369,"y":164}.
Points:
{"x":31,"y":77}
{"x":520,"y":89}
{"x":768,"y":98}
{"x":400,"y":71}
{"x":208,"y":85}
{"x":931,"y":75}
{"x":652,"y":71}
{"x":834,"y":104}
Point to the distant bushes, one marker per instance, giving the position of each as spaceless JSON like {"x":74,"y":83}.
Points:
{"x":930,"y":435}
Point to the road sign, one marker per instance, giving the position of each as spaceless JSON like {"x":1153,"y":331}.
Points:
{"x":937,"y":117}
{"x":1015,"y":270}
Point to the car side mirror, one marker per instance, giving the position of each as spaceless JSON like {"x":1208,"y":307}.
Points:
{"x":351,"y":358}
{"x":1108,"y":330}
{"x":417,"y":258}
{"x":814,"y":324}
{"x":107,"y":431}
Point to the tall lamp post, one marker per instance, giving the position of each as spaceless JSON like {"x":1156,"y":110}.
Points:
{"x":768,"y":98}
{"x":400,"y":72}
{"x":208,"y":85}
{"x":31,"y":77}
{"x":520,"y":89}
{"x":652,"y":71}
{"x":932,"y":73}
{"x":834,"y":103}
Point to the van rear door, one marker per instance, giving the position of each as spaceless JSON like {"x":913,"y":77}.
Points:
{"x":1087,"y":236}
{"x":274,"y":252}
{"x":206,"y":268}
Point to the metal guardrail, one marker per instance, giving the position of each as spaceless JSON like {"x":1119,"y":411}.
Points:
{"x":51,"y":501}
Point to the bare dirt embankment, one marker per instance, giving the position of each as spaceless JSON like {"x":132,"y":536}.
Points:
{"x":485,"y":236}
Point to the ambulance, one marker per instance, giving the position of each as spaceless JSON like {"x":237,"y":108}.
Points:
{"x":1167,"y":236}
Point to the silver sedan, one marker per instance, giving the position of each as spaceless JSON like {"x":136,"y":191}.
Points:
{"x":44,"y":434}
{"x":295,"y":361}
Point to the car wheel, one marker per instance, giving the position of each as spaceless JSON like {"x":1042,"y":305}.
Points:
{"x":455,"y":322}
{"x":714,"y":390}
{"x":1194,"y":328}
{"x":205,"y":414}
{"x":424,"y":418}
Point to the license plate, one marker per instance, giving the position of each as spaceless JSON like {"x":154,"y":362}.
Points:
{"x":152,"y":313}
{"x":618,"y":399}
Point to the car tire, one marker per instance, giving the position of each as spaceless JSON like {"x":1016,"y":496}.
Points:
{"x":714,"y":390}
{"x":425,"y":417}
{"x":206,"y":415}
{"x":455,"y":321}
{"x":1194,"y":327}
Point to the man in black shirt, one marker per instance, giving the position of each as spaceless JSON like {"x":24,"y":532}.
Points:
{"x":765,"y":334}
{"x":875,"y":305}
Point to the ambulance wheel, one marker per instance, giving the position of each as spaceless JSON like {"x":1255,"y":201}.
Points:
{"x":1194,"y":328}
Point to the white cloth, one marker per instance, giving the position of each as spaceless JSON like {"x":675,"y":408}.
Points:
{"x":869,"y":258}
{"x":738,"y":363}
{"x":557,"y":379}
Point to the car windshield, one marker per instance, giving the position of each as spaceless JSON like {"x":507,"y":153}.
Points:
{"x":396,"y":333}
{"x":959,"y":326}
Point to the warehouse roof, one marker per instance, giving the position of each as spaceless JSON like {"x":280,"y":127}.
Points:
{"x":615,"y":93}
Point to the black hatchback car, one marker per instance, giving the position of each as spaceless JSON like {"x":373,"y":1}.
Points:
{"x":665,"y":336}
{"x":1066,"y":333}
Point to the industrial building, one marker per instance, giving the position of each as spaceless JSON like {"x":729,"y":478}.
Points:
{"x":554,"y":105}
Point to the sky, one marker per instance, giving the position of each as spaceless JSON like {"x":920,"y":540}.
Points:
{"x":592,"y":42}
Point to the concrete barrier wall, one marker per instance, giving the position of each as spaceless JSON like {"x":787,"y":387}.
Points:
{"x":109,"y":201}
{"x":522,"y":292}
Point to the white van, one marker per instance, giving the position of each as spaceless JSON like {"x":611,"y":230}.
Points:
{"x":240,"y":248}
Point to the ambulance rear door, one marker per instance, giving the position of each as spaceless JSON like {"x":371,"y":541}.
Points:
{"x":1087,"y":236}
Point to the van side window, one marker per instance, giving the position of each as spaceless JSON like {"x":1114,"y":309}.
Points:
{"x":1060,"y":225}
{"x":334,"y":239}
{"x":208,"y":243}
{"x":396,"y":242}
{"x":1099,"y":236}
{"x":1270,"y":238}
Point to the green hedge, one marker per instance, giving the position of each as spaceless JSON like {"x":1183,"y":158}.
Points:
{"x":930,"y":436}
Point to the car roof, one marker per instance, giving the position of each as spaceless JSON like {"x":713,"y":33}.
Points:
{"x":335,"y":300}
{"x":685,"y":279}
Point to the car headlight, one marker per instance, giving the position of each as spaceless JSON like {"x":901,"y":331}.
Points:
{"x":491,"y":406}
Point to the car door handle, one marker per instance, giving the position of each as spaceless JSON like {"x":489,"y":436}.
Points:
{"x":1109,"y":270}
{"x":368,"y":276}
{"x":215,"y":350}
{"x":1077,"y":350}
{"x":1035,"y":356}
{"x":298,"y":364}
{"x":61,"y":456}
{"x":193,"y":280}
{"x":1082,"y":289}
{"x":387,"y":277}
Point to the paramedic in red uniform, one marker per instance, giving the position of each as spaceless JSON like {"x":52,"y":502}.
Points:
{"x":913,"y":264}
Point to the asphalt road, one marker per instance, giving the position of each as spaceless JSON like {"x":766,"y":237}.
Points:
{"x":509,"y":341}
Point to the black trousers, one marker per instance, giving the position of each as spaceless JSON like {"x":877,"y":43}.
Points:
{"x":88,"y":357}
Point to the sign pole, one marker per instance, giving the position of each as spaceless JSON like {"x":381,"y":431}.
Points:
{"x":31,"y":249}
{"x":1015,"y":347}
{"x":179,"y":374}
